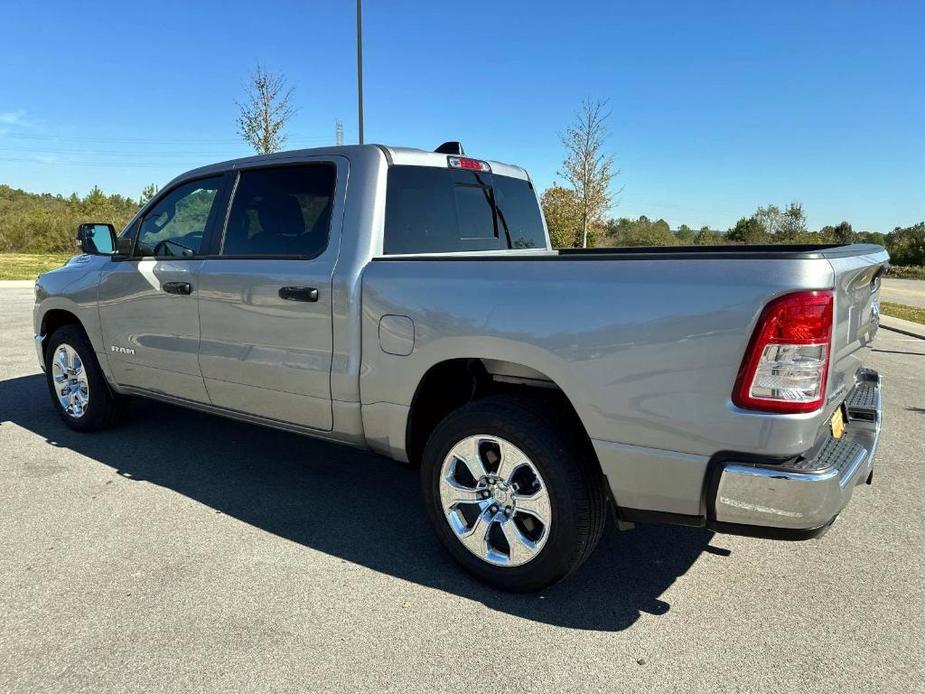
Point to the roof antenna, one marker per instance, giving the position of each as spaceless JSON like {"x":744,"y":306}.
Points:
{"x":451,"y":147}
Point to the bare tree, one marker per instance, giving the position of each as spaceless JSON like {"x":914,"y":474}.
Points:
{"x":588,"y":167}
{"x":267,"y":110}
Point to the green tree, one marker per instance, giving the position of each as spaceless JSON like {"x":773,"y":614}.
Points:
{"x":876,"y":237}
{"x":685,"y":235}
{"x":562,"y":211}
{"x":639,"y":232}
{"x":147,"y":194}
{"x":769,"y":218}
{"x":709,"y":237}
{"x":841,"y":233}
{"x":907,"y":245}
{"x":791,"y":224}
{"x":749,"y":230}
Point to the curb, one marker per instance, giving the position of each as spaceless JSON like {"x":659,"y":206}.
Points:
{"x":903,"y":327}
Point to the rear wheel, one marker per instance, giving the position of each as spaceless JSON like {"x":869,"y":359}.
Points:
{"x":77,"y":386}
{"x":514,"y":496}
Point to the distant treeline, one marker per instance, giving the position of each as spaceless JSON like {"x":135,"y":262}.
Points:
{"x":906,"y":245}
{"x":770,"y":224}
{"x":44,"y":223}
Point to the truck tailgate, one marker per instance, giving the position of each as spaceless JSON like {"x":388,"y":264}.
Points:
{"x":856,"y":317}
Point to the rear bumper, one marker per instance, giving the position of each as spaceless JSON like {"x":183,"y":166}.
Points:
{"x":800,"y":500}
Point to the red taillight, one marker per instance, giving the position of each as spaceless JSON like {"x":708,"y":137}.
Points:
{"x":786,"y":364}
{"x":468,"y":164}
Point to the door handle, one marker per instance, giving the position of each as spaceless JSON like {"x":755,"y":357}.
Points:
{"x":177,"y":287}
{"x":298,"y":294}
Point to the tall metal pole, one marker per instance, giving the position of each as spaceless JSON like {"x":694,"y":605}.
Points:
{"x":360,"y":65}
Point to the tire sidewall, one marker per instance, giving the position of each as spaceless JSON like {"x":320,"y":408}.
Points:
{"x":550,"y":454}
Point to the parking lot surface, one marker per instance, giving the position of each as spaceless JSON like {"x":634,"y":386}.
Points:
{"x":182,"y":552}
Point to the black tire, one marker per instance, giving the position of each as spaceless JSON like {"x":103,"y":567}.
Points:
{"x":566,"y":463}
{"x":103,"y":407}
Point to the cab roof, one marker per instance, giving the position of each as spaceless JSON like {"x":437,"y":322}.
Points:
{"x":396,"y":156}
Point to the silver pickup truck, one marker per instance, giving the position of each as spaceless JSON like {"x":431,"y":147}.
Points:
{"x":409,"y":302}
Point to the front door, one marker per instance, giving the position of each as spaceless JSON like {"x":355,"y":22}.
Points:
{"x":148,"y":302}
{"x":265,"y":298}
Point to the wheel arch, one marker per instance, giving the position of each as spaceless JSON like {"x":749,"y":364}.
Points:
{"x":56,"y":318}
{"x":451,"y":383}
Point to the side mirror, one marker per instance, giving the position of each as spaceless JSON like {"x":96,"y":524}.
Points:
{"x":96,"y":239}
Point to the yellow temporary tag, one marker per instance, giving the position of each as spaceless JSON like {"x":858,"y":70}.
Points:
{"x":838,"y":424}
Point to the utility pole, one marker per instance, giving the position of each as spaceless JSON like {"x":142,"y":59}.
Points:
{"x":339,"y":132}
{"x":360,"y":66}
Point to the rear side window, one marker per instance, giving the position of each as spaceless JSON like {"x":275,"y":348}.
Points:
{"x":433,"y":210}
{"x":284,"y":211}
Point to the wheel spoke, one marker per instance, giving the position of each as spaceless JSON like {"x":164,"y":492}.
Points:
{"x":475,"y":538}
{"x":61,"y":359}
{"x":453,"y":493}
{"x":536,"y":504}
{"x":511,"y":460}
{"x":521,"y":547}
{"x":467,"y":452}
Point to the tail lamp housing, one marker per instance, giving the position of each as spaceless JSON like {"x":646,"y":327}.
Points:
{"x":786,"y":365}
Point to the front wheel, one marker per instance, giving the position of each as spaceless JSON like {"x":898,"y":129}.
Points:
{"x":514,"y":495}
{"x":78,"y":389}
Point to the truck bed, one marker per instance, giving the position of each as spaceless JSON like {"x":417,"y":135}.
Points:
{"x":647,"y":351}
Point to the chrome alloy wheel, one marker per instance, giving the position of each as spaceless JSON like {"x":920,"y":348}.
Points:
{"x":70,"y":379}
{"x":495,"y":500}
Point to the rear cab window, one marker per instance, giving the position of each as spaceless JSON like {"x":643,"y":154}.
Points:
{"x":436,"y":210}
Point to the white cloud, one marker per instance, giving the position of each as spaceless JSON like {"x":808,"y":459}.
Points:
{"x":15,"y":118}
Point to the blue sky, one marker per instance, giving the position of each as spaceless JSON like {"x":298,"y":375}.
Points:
{"x":717,"y":107}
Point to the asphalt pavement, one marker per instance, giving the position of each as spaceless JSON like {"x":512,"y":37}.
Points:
{"x":182,"y":552}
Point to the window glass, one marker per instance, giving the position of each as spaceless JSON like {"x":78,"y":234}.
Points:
{"x":420,"y":211}
{"x":130,"y":232}
{"x":176,"y":224}
{"x":432,"y":210}
{"x":284,"y":211}
{"x":518,"y":212}
{"x":474,"y":211}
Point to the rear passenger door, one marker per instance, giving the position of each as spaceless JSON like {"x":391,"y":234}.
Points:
{"x":265,"y":294}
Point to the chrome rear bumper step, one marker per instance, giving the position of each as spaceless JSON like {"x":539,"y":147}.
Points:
{"x":801,"y":499}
